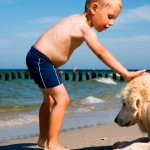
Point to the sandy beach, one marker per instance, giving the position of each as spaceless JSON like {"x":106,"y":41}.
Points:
{"x":100,"y":137}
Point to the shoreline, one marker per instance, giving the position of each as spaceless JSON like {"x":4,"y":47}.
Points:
{"x":71,"y":122}
{"x":100,"y":137}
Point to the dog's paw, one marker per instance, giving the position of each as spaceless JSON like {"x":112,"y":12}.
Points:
{"x":120,"y":144}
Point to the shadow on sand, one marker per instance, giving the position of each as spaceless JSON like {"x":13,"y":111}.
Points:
{"x":22,"y":146}
{"x":30,"y":146}
{"x":96,"y":148}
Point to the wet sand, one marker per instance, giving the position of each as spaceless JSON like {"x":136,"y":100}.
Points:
{"x":100,"y":137}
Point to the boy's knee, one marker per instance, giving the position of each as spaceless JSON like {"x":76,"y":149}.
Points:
{"x":68,"y":101}
{"x":65,"y":101}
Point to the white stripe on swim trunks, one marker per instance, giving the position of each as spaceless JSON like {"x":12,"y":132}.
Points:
{"x":56,"y":75}
{"x":41,"y":74}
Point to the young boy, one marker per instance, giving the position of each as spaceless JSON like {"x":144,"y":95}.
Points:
{"x":55,"y":47}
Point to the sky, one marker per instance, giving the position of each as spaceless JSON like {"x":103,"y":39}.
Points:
{"x":23,"y":21}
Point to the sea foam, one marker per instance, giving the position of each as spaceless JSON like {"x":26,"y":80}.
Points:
{"x":106,"y":81}
{"x":92,"y":100}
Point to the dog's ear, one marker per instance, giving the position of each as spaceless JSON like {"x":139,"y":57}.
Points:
{"x":135,"y":101}
{"x":135,"y":104}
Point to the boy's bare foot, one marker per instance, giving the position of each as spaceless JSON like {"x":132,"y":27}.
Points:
{"x":56,"y":147}
{"x":41,"y":143}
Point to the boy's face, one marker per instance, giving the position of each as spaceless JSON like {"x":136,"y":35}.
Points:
{"x":104,"y":17}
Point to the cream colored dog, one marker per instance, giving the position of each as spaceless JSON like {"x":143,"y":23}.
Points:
{"x":136,"y":109}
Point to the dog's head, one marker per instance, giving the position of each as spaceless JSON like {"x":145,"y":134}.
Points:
{"x":133,"y":96}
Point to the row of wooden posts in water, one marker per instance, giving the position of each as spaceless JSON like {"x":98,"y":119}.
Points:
{"x":67,"y":75}
{"x":92,"y":76}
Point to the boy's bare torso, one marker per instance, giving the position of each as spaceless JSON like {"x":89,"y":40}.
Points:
{"x":59,"y":41}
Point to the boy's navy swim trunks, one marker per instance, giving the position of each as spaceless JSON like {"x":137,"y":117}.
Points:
{"x":42,"y":70}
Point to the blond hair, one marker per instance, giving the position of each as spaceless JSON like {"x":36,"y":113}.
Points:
{"x":102,"y":3}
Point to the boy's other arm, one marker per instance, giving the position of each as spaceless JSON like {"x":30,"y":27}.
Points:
{"x":105,"y":56}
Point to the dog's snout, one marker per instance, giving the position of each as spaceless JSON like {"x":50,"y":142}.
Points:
{"x":115,"y":120}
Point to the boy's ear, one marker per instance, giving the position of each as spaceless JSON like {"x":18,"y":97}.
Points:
{"x":94,"y":8}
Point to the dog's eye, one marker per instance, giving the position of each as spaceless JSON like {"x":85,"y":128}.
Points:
{"x":124,"y":104}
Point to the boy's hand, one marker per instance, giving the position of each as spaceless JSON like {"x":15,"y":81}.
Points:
{"x":130,"y":75}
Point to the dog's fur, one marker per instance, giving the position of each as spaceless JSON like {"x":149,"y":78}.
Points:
{"x":136,"y":105}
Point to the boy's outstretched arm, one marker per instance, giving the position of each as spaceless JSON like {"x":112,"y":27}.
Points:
{"x":104,"y":55}
{"x":111,"y":62}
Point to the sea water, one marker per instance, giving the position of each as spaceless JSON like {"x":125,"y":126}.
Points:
{"x":92,"y":102}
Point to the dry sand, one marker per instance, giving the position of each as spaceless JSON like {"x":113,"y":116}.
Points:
{"x":100,"y":137}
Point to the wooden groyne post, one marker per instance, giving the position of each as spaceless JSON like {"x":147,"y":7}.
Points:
{"x":94,"y":75}
{"x":100,"y":75}
{"x":13,"y":75}
{"x":74,"y":76}
{"x":0,"y":75}
{"x":26,"y":74}
{"x":67,"y":75}
{"x":114,"y":76}
{"x":80,"y":76}
{"x":121,"y":78}
{"x":106,"y":75}
{"x":6,"y":76}
{"x":19,"y":75}
{"x":87,"y":75}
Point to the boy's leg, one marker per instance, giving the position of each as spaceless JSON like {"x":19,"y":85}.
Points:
{"x":44,"y":114}
{"x":61,"y":99}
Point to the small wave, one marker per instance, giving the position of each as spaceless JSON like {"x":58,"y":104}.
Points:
{"x":106,"y":81}
{"x":91,"y":100}
{"x":81,"y":110}
{"x":20,"y":120}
